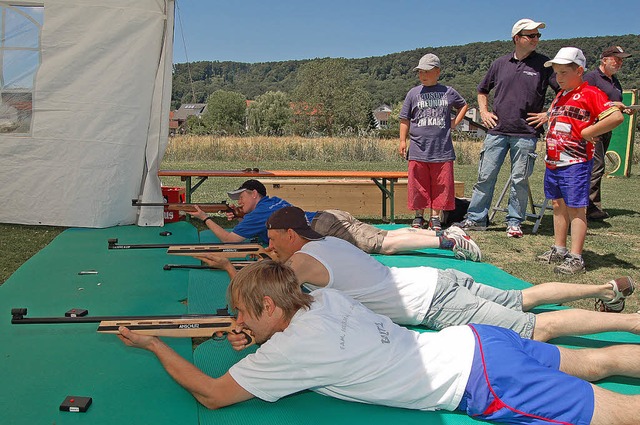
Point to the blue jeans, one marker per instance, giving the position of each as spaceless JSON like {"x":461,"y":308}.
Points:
{"x":492,"y":156}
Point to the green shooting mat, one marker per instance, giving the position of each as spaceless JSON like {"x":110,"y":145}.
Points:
{"x":214,"y":357}
{"x":42,"y":364}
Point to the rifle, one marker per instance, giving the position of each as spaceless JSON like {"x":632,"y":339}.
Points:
{"x":237,"y":264}
{"x":185,"y":326}
{"x":247,"y":251}
{"x":113,"y":244}
{"x":209,"y":208}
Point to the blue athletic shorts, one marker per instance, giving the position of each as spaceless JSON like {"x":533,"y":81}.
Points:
{"x":516,"y":380}
{"x":570,"y":183}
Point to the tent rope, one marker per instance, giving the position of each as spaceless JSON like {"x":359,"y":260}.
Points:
{"x":186,"y":56}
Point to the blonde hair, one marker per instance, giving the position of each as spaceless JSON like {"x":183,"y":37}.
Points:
{"x":267,"y":278}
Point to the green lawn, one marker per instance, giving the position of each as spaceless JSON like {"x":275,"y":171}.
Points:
{"x":612,"y":247}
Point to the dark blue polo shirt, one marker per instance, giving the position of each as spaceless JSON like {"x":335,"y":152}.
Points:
{"x":610,"y":86}
{"x":520,"y":87}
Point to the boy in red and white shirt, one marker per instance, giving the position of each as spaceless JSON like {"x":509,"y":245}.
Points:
{"x":578,"y":115}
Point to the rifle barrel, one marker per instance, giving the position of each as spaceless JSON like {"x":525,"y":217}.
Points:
{"x":113,"y":244}
{"x":19,"y":320}
{"x":210,"y":207}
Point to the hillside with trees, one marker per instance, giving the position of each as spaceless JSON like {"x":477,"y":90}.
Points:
{"x":385,"y":79}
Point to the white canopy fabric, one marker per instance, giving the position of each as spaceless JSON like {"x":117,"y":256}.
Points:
{"x":100,"y":117}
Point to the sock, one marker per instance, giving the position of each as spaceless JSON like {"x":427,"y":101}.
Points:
{"x":561,"y":249}
{"x":445,"y":243}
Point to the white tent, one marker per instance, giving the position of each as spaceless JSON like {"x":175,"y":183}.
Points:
{"x":84,"y":110}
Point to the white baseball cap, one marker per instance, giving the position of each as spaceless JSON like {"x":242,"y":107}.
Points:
{"x":568,"y":55}
{"x":525,"y":24}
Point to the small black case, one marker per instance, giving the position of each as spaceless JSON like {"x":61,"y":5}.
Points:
{"x":75,"y":404}
{"x":76,"y":312}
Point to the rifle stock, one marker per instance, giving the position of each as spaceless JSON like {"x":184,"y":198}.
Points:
{"x":245,"y":251}
{"x":181,"y":326}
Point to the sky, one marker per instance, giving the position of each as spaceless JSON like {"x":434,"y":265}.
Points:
{"x":279,"y":30}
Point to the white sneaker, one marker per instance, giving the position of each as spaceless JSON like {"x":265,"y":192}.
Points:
{"x":464,"y":248}
{"x":514,"y":231}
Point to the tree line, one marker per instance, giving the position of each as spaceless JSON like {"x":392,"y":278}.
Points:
{"x":335,"y":95}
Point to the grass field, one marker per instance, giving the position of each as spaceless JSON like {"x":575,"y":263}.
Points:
{"x":612,"y":247}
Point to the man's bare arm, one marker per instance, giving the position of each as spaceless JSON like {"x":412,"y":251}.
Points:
{"x":308,"y":269}
{"x":218,"y":262}
{"x":212,"y":393}
{"x":217,"y":230}
{"x":489,"y":119}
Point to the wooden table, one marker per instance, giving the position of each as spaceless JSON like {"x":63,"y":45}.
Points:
{"x":385,"y":180}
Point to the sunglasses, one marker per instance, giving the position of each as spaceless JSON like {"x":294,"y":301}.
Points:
{"x":531,"y":36}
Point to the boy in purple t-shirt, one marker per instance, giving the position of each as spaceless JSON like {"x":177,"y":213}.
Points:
{"x":426,"y":118}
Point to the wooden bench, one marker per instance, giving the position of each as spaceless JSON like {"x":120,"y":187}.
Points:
{"x":384,"y":180}
{"x":357,"y":196}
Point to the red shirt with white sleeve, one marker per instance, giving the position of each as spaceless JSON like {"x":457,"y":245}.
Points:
{"x":571,"y":112}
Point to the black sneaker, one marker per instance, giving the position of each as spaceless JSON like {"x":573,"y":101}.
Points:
{"x":434,"y":224}
{"x":597,"y":215}
{"x":418,"y":223}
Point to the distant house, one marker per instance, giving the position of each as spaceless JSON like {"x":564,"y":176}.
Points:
{"x":470,"y":124}
{"x":381,"y":115}
{"x":179,"y":117}
{"x":173,"y":123}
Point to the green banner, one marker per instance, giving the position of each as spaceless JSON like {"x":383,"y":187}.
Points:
{"x":619,"y":156}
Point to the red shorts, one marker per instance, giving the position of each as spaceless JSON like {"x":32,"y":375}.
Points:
{"x":431,"y":185}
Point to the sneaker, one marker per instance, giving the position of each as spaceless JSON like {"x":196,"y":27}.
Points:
{"x":553,"y":256}
{"x":454,"y":230}
{"x":622,"y":288}
{"x":470,"y":225}
{"x":434,"y":224}
{"x":571,"y":265}
{"x":463,"y":247}
{"x":514,"y":231}
{"x":418,"y":223}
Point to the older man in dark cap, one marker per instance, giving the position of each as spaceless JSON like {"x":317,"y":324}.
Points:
{"x":604,"y":78}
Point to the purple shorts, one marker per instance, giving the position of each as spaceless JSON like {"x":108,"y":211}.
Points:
{"x":570,"y":183}
{"x":516,"y":380}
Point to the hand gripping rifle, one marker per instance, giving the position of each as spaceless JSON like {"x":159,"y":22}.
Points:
{"x":184,"y":326}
